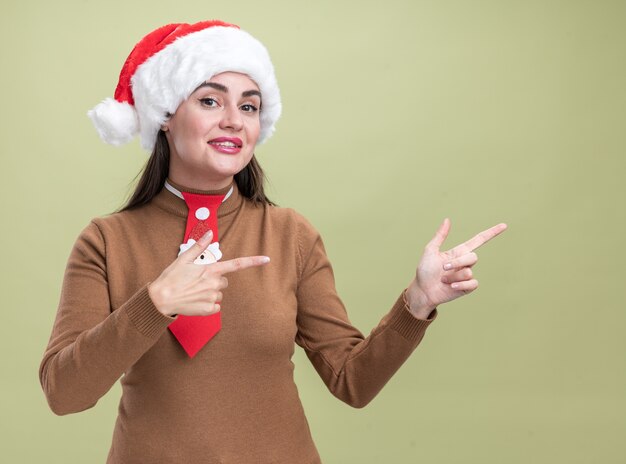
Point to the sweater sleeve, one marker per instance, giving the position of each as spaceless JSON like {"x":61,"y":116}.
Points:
{"x":91,"y":346}
{"x":353,"y":367}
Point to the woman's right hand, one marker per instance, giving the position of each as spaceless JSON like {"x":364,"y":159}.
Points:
{"x":194,"y":289}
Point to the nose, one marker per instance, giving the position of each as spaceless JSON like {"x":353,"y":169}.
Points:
{"x":231,"y":118}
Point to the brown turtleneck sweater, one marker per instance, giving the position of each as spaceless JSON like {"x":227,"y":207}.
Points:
{"x":235,"y":401}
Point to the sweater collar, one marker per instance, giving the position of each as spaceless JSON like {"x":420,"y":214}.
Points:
{"x":179,"y":191}
{"x":170,"y":199}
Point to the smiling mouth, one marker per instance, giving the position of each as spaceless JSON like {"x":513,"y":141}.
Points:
{"x":226,"y":142}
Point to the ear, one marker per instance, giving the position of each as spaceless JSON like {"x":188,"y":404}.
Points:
{"x":164,"y":126}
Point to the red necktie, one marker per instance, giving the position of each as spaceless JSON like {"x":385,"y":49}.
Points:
{"x":193,"y":332}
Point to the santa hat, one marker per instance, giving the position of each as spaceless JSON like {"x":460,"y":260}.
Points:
{"x":168,"y":64}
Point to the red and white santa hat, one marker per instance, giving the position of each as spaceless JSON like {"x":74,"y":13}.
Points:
{"x":168,"y":64}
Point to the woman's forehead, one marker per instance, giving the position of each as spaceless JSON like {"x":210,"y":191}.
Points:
{"x":233,"y":78}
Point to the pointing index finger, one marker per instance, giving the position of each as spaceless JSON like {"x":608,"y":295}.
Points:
{"x":238,"y":264}
{"x":484,"y":236}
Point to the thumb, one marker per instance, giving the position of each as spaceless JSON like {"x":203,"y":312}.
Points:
{"x":190,"y":255}
{"x":440,"y":235}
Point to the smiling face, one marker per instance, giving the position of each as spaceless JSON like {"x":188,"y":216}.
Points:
{"x":213,"y":133}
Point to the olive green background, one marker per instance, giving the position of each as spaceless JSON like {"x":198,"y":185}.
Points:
{"x":396,"y":115}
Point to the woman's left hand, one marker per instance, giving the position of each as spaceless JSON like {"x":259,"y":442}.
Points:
{"x":442,"y":276}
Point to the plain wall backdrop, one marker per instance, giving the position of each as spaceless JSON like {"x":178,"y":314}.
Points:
{"x":396,"y":115}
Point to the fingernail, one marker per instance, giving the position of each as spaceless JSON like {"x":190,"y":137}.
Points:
{"x":454,"y":285}
{"x":207,"y":235}
{"x":447,"y":266}
{"x":265,"y":259}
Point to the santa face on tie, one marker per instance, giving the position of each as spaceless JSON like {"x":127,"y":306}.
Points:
{"x":211,"y":255}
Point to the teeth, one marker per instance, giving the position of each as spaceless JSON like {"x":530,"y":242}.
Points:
{"x":224,"y":144}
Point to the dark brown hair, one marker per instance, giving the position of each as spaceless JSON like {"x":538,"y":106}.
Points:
{"x":250,"y":180}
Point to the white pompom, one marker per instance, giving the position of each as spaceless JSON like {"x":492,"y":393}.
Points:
{"x":116,"y":122}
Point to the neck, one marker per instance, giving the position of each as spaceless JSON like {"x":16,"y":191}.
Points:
{"x":200,"y":183}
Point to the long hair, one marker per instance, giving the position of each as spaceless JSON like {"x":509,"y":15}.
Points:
{"x":250,"y":180}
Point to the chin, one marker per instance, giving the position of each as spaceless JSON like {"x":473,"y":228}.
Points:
{"x":222,"y":175}
{"x":230,"y":168}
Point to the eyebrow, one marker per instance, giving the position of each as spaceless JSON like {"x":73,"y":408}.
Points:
{"x":223,"y":88}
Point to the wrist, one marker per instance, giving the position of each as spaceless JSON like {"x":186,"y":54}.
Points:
{"x":417,"y":302}
{"x":156,"y":295}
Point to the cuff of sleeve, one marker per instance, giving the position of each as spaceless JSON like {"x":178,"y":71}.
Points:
{"x":145,"y":316}
{"x":407,"y":325}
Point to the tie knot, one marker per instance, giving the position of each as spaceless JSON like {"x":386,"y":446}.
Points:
{"x":202,"y":214}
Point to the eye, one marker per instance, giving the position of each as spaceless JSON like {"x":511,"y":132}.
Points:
{"x":201,"y":256}
{"x":208,"y":101}
{"x":248,"y":108}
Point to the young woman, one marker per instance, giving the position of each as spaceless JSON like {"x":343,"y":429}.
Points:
{"x":176,"y":293}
